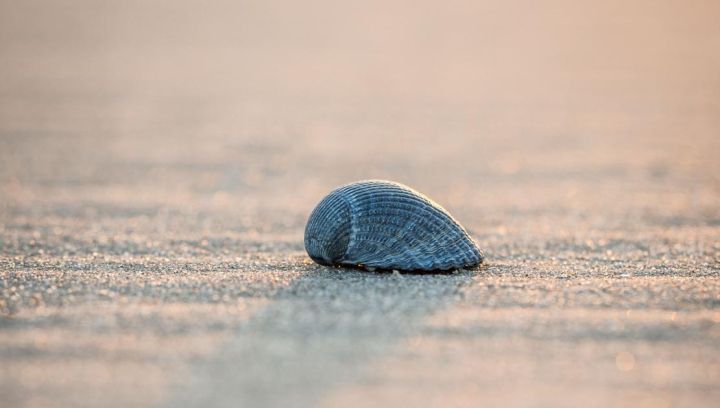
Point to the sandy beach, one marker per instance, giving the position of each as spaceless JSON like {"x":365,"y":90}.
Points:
{"x":159,"y":160}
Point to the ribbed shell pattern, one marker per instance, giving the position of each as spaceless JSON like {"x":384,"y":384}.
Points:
{"x":386,"y":225}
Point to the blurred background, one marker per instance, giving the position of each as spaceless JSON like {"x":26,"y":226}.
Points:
{"x":185,"y":97}
{"x":512,"y":88}
{"x":143,"y":142}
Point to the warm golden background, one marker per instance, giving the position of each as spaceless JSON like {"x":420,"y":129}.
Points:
{"x":158,"y":160}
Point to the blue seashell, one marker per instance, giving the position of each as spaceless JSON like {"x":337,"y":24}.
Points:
{"x":386,"y":225}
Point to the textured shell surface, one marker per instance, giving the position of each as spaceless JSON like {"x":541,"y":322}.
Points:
{"x":387,"y":225}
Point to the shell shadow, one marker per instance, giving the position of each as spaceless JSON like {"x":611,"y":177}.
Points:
{"x":320,"y":331}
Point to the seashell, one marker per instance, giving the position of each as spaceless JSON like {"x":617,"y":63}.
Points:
{"x":379,"y":224}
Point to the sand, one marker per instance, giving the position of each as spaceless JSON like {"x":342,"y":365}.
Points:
{"x":158,"y":164}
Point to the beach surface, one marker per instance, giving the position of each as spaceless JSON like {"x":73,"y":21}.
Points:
{"x":159,"y":160}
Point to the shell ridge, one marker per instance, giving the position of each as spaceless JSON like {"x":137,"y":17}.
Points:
{"x":419,"y":252}
{"x":351,"y":240}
